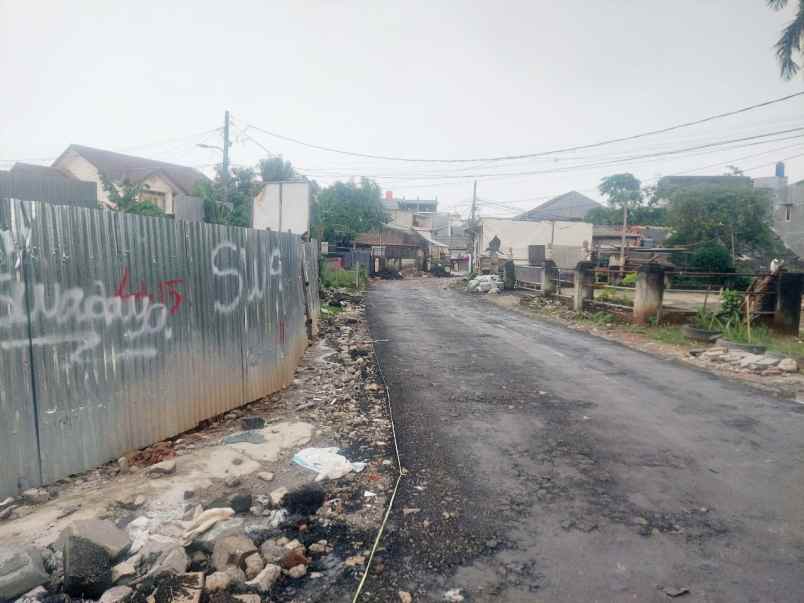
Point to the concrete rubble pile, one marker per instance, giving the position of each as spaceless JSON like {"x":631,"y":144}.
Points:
{"x":485,"y":283}
{"x":257,"y":536}
{"x":738,"y":361}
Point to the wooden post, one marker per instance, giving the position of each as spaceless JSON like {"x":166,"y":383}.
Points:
{"x":649,"y":293}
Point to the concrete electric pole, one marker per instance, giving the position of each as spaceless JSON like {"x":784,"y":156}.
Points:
{"x":226,"y":145}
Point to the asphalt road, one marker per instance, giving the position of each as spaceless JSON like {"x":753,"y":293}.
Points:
{"x":549,"y":465}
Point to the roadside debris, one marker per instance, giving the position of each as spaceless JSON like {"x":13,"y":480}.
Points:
{"x":485,"y":283}
{"x":230,"y":511}
{"x":326,"y":462}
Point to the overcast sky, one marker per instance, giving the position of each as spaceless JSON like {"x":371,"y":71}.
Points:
{"x":411,"y":79}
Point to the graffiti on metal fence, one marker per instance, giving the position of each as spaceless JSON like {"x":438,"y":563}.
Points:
{"x":143,"y":310}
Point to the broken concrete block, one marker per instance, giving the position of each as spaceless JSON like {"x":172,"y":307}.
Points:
{"x":298,"y":571}
{"x":218,"y":581}
{"x":116,"y":594}
{"x":20,"y":570}
{"x":266,"y":579}
{"x":278,"y":496}
{"x":233,"y":551}
{"x":248,"y":598}
{"x":265,"y":476}
{"x":237,"y":575}
{"x":272,"y":552}
{"x":206,"y":541}
{"x":103,"y":533}
{"x":87,"y":568}
{"x":164,"y":468}
{"x":35,"y":496}
{"x":254,"y":565}
{"x":172,"y":561}
{"x":8,"y":502}
{"x":788,"y":365}
{"x":123,"y":572}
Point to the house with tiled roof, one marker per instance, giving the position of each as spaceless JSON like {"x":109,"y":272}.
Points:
{"x":163,"y":183}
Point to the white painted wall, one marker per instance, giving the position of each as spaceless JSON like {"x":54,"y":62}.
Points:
{"x":83,"y":170}
{"x":516,"y":235}
{"x":294,"y":213}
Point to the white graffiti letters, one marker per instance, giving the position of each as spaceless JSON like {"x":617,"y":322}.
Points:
{"x":262,"y":275}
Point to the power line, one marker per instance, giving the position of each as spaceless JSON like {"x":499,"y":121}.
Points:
{"x":539,"y":154}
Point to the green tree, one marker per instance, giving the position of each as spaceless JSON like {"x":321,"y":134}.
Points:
{"x":626,"y":189}
{"x":243,"y":187}
{"x":621,"y":190}
{"x":126,"y":198}
{"x":712,"y":257}
{"x":789,"y":43}
{"x":346,"y":209}
{"x":276,"y":168}
{"x":737,"y":218}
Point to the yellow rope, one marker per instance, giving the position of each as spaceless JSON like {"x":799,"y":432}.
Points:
{"x":402,"y":473}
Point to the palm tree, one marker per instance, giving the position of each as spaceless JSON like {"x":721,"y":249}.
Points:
{"x":790,"y":41}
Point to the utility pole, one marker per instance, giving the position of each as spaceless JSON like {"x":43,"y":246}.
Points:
{"x":226,"y":145}
{"x":625,"y":228}
{"x":472,"y":225}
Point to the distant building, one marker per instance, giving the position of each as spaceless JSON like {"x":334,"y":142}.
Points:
{"x":565,"y":242}
{"x":167,"y":185}
{"x":411,"y":213}
{"x":571,"y":206}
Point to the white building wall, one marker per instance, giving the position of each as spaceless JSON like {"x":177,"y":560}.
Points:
{"x":84,"y":170}
{"x":292,"y":213}
{"x":516,"y":235}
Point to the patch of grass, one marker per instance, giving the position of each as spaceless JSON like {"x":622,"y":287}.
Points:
{"x":345,"y":279}
{"x":668,"y":334}
{"x":612,"y":296}
{"x":330,"y":309}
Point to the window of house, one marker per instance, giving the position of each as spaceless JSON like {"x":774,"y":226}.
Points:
{"x":155,"y":197}
{"x":788,"y":210}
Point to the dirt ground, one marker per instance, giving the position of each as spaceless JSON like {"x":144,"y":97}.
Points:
{"x":546,"y":464}
{"x":336,"y":400}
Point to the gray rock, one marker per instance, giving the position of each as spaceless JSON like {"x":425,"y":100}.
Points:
{"x":36,"y":594}
{"x":788,"y":365}
{"x":9,"y":502}
{"x":87,"y":568}
{"x":117,"y":594}
{"x":218,"y":581}
{"x":265,"y":476}
{"x":237,"y":575}
{"x":122,"y":464}
{"x":254,"y":565}
{"x":230,"y":527}
{"x":7,"y":513}
{"x":266,"y":579}
{"x":36,"y":496}
{"x":272,"y":552}
{"x":260,"y":532}
{"x":248,"y":598}
{"x":240,"y":502}
{"x":122,"y":573}
{"x":252,"y":422}
{"x":167,"y":467}
{"x":172,"y":561}
{"x":231,"y":481}
{"x":103,"y":533}
{"x":20,"y":570}
{"x":278,"y":496}
{"x":298,"y":571}
{"x":231,"y":550}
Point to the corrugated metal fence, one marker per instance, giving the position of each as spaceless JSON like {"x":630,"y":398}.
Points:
{"x":117,"y":331}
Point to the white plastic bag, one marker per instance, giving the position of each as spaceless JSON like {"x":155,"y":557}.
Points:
{"x":326,"y":462}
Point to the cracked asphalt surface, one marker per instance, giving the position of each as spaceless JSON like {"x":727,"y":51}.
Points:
{"x":550,"y":465}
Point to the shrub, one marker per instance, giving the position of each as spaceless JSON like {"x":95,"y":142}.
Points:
{"x":630,"y":279}
{"x":712,"y":258}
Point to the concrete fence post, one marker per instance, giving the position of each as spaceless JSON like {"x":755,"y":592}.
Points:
{"x":549,"y":278}
{"x":649,"y":293}
{"x":787,"y":313}
{"x":584,"y":281}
